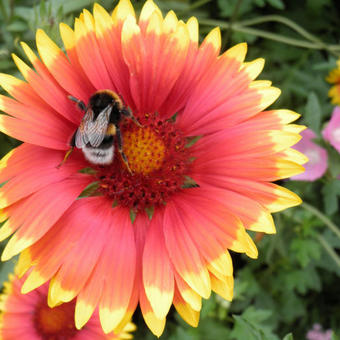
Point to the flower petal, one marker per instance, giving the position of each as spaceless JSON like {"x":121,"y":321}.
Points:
{"x":272,"y":196}
{"x":121,"y":252}
{"x":31,"y":133}
{"x":61,"y":69}
{"x":188,"y":294}
{"x":197,"y":62}
{"x":90,"y":58}
{"x":224,"y":288}
{"x":184,"y":253}
{"x":37,"y":175}
{"x":45,"y":86}
{"x":109,"y":39}
{"x":155,"y":324}
{"x":146,"y":77}
{"x":185,"y":311}
{"x":209,"y":247}
{"x":42,"y":209}
{"x":158,"y":277}
{"x":86,"y":251}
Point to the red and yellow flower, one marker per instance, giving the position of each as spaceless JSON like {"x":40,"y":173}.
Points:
{"x":27,"y":316}
{"x":203,"y":164}
{"x":334,"y":78}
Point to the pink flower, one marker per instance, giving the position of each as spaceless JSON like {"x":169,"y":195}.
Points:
{"x":317,"y":164}
{"x":332,"y":132}
{"x":316,"y":333}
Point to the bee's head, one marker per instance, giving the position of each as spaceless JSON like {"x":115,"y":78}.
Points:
{"x":100,"y":100}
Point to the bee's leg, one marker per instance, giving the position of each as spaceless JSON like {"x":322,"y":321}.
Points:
{"x":120,"y":148}
{"x":79,"y":102}
{"x":128,"y":114}
{"x":67,"y":155}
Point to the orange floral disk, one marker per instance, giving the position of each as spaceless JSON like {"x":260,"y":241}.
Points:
{"x":29,"y":317}
{"x":203,"y":162}
{"x":334,"y":78}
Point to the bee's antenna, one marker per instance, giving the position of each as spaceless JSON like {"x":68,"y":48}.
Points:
{"x":128,"y":113}
{"x":79,"y":102}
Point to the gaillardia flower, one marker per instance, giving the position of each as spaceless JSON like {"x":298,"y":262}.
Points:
{"x":334,"y":78}
{"x":27,"y":316}
{"x":155,"y":230}
{"x":317,"y":157}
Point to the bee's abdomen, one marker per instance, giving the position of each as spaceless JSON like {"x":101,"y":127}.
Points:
{"x":102,"y":155}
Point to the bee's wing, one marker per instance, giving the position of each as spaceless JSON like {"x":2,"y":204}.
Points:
{"x":81,"y":135}
{"x":95,"y":131}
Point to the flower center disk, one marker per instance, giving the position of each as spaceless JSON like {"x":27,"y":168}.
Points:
{"x":158,"y":158}
{"x":57,"y":322}
{"x":145,"y":150}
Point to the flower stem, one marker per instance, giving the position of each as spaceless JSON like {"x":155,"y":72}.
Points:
{"x":276,"y":37}
{"x":329,"y":250}
{"x":322,"y":217}
{"x":232,"y":20}
{"x":283,"y":20}
{"x":334,"y":49}
{"x":195,"y":5}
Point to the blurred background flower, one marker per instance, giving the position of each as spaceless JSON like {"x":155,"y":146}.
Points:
{"x":27,"y":316}
{"x":316,"y":333}
{"x":334,"y":79}
{"x":332,"y":131}
{"x":317,"y":157}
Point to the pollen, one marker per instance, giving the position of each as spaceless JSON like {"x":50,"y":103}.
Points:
{"x":144,"y":149}
{"x":159,"y":161}
{"x":57,"y":322}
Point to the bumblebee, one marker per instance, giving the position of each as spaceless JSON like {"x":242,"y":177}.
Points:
{"x":100,"y":127}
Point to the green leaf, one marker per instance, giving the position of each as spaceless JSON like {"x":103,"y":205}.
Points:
{"x":334,"y":336}
{"x":256,"y":315}
{"x":17,"y":26}
{"x":244,"y":329}
{"x":288,"y":337}
{"x":291,"y":306}
{"x":150,"y":211}
{"x":133,"y":216}
{"x":333,"y":161}
{"x":26,"y":13}
{"x":75,"y":5}
{"x":277,"y":4}
{"x":182,"y":334}
{"x":5,"y":269}
{"x":260,"y":3}
{"x":90,"y":190}
{"x":5,"y":65}
{"x":305,"y":250}
{"x":208,"y":307}
{"x":251,"y":326}
{"x":228,"y":7}
{"x":313,"y":112}
{"x":316,"y":5}
{"x":330,"y":192}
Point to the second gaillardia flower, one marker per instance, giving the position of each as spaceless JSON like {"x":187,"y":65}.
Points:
{"x":28,"y":317}
{"x":188,"y":167}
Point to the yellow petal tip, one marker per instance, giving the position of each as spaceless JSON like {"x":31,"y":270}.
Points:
{"x":83,"y":313}
{"x":33,"y":281}
{"x":214,"y":38}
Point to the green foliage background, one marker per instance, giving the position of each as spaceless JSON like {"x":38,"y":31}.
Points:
{"x":295,"y":281}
